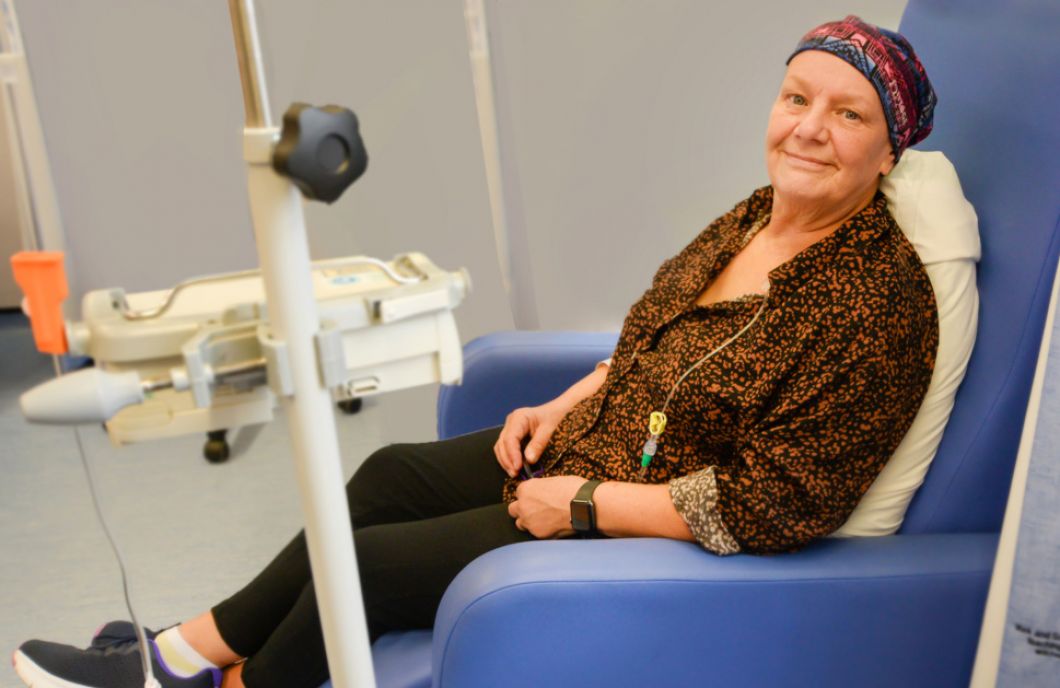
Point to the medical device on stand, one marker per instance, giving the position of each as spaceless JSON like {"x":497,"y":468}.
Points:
{"x":220,"y":351}
{"x":199,"y":357}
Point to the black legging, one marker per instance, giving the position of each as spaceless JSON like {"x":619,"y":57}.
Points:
{"x":421,"y":512}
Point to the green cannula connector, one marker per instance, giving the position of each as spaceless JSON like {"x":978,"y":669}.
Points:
{"x":645,"y":459}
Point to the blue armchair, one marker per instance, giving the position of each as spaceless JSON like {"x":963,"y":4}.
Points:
{"x":903,"y":610}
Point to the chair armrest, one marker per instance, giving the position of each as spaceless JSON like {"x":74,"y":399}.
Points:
{"x":506,"y":370}
{"x":901,"y":610}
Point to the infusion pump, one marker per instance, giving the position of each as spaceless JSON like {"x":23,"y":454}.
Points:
{"x":200,"y":357}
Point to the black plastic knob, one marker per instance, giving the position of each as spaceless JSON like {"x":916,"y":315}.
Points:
{"x":320,"y":150}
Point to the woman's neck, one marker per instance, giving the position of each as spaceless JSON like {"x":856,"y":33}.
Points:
{"x":793,"y":219}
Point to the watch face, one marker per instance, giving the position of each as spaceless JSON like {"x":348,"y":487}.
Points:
{"x":581,"y":516}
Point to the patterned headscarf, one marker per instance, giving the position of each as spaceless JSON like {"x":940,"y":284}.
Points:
{"x":887,"y":60}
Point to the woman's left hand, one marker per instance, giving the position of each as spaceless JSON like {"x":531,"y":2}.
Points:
{"x":542,"y":505}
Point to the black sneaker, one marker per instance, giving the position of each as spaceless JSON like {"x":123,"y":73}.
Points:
{"x":41,"y":664}
{"x":118,"y":632}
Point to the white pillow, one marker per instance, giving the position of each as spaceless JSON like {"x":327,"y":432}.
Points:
{"x":925,"y":198}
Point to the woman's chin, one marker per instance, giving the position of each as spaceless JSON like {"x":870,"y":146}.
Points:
{"x":805,"y":193}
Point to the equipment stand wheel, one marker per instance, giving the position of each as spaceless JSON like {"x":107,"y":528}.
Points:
{"x":216,"y":449}
{"x":350,"y":406}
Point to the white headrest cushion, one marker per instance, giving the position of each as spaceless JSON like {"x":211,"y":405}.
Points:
{"x":925,"y":198}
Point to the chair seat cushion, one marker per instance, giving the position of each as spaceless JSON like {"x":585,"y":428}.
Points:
{"x":401,"y":660}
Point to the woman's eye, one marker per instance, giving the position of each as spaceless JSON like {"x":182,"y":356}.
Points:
{"x":796,"y":99}
{"x":851,"y":115}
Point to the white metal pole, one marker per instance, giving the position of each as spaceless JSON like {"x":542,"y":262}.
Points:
{"x":39,"y":206}
{"x":512,"y":259}
{"x":27,"y":224}
{"x":279,"y":229}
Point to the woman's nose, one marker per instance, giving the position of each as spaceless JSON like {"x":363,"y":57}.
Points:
{"x":812,"y":126}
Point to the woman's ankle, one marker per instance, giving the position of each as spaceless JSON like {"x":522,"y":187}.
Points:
{"x":203,"y":635}
{"x":233,"y":676}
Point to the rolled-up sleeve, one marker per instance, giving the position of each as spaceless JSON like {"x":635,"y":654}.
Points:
{"x":695,"y":496}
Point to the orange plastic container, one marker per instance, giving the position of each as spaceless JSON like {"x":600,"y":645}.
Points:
{"x":42,"y":277}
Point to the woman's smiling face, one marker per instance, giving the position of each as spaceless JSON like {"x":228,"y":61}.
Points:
{"x":827,"y":142}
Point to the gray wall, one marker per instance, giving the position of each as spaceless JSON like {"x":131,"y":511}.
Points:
{"x":142,"y":112}
{"x":632,"y":125}
{"x":625,"y":126}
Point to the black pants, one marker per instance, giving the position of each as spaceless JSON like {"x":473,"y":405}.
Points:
{"x":421,"y":513}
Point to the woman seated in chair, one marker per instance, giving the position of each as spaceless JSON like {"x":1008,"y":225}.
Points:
{"x":756,"y":391}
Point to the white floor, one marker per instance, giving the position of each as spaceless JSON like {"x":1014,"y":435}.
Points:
{"x":191,"y":532}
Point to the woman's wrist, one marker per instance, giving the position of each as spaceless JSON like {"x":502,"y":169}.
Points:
{"x":636,"y":510}
{"x":556,"y":409}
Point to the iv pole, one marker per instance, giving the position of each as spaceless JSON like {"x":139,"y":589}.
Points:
{"x":38,"y":209}
{"x":36,"y":203}
{"x":509,"y":236}
{"x":279,"y":231}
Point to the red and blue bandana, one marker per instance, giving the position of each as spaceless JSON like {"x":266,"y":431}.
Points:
{"x":887,"y":60}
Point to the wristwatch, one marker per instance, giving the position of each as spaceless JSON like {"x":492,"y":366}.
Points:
{"x":582,"y":509}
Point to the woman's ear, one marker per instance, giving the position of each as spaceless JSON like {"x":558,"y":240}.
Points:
{"x":888,"y":165}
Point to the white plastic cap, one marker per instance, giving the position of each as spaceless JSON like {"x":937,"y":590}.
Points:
{"x":87,"y":396}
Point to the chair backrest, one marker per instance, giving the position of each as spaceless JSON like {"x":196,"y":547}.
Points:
{"x":995,"y":65}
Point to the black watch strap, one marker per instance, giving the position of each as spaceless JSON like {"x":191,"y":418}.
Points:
{"x":583,"y":510}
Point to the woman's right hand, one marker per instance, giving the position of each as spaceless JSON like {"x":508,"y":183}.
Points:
{"x":534,"y":422}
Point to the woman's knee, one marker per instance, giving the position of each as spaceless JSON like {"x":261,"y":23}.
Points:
{"x":377,"y":484}
{"x":401,"y":482}
{"x":379,"y":467}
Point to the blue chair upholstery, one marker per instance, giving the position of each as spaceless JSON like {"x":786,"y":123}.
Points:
{"x":903,"y":610}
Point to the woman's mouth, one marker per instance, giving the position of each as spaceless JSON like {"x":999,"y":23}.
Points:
{"x":805,"y":161}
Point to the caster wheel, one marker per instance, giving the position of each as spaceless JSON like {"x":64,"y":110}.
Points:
{"x":350,"y":406}
{"x":216,"y":449}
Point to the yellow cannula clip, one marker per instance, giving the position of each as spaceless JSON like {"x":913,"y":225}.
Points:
{"x":657,"y":423}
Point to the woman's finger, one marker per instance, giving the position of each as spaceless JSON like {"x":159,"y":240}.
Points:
{"x":508,"y":460}
{"x":538,"y":442}
{"x":511,"y":437}
{"x":502,"y":459}
{"x":501,"y":448}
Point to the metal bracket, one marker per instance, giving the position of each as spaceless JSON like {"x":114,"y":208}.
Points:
{"x":274,"y":351}
{"x":206,"y":352}
{"x":331,"y":359}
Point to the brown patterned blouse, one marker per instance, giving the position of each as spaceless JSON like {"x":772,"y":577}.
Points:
{"x":771,"y":442}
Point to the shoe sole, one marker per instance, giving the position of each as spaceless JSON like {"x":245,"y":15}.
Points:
{"x":36,"y":677}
